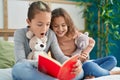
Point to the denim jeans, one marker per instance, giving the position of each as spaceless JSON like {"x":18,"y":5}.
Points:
{"x":100,"y":66}
{"x":26,"y":71}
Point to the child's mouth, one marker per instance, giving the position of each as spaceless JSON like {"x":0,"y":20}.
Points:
{"x":42,"y":34}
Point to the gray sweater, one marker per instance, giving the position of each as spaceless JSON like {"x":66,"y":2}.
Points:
{"x":22,"y":48}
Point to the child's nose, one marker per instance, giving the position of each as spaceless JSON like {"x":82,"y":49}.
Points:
{"x":45,"y":28}
{"x":60,"y":28}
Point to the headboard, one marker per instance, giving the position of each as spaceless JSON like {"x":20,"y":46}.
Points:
{"x":5,"y":32}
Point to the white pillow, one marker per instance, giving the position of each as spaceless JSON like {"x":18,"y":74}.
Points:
{"x":5,"y":74}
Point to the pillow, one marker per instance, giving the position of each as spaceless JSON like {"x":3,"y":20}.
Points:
{"x":6,"y":74}
{"x":7,"y":58}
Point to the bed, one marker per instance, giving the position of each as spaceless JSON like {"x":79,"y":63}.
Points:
{"x":6,"y":75}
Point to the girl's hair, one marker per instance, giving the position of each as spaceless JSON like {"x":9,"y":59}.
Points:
{"x":36,"y":7}
{"x":61,"y":12}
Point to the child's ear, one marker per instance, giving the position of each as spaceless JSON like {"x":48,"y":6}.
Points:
{"x":28,"y":21}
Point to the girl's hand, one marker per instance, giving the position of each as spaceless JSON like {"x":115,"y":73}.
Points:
{"x":83,"y":57}
{"x":77,"y":67}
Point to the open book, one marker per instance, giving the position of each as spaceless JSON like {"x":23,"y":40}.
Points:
{"x":52,"y":67}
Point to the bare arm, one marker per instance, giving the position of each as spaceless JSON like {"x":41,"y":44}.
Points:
{"x":85,"y":53}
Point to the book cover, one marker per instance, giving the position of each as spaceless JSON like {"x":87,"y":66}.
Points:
{"x":52,"y":67}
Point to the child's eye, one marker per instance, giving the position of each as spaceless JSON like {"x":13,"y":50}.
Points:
{"x":48,"y":24}
{"x":40,"y":25}
{"x":64,"y":25}
{"x":36,"y":42}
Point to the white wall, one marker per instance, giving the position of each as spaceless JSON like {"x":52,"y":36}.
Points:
{"x":1,"y":14}
{"x":17,"y":13}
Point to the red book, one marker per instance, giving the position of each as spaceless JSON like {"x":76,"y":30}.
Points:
{"x":52,"y":67}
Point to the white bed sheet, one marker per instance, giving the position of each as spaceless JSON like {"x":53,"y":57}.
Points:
{"x":111,"y":77}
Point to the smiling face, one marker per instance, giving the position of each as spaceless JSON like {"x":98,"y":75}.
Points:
{"x":39,"y":25}
{"x":59,"y":26}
